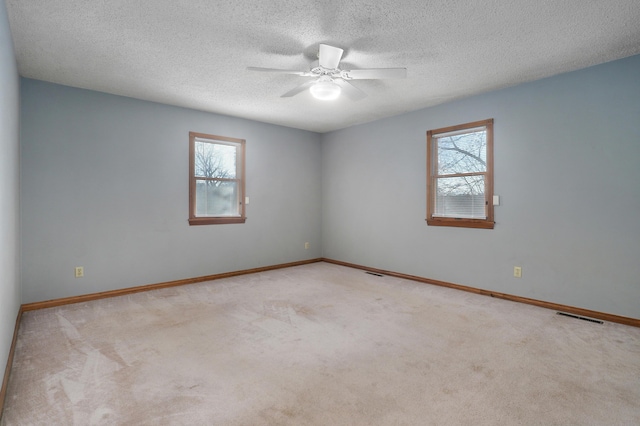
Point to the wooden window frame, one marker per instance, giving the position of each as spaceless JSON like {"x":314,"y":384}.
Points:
{"x":432,"y":168}
{"x":240,"y":178}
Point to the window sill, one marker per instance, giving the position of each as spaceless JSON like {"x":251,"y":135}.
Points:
{"x":461,"y":223}
{"x":215,"y":220}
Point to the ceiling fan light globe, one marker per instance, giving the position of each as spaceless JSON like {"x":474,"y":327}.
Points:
{"x":325,"y":90}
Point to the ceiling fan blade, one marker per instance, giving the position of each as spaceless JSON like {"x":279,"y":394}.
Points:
{"x":295,"y":72}
{"x":376,"y":73}
{"x":298,"y":89}
{"x":349,"y":90}
{"x":329,"y":56}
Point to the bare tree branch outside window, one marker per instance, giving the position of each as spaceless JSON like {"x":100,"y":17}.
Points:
{"x":462,"y":154}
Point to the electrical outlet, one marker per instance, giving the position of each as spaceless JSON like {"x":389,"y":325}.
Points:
{"x":517,"y":271}
{"x":306,"y":246}
{"x":79,"y":272}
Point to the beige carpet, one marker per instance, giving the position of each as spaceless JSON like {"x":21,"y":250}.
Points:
{"x":319,"y":344}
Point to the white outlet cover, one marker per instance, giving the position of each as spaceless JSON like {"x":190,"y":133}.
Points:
{"x":496,"y":200}
{"x":246,"y":200}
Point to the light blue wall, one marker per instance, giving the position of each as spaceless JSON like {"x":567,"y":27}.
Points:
{"x":9,"y":204}
{"x":567,"y":154}
{"x":105,"y":186}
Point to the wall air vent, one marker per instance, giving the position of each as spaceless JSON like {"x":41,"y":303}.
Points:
{"x":564,"y":314}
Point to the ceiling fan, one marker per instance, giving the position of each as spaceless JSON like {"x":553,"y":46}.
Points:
{"x":330,"y":81}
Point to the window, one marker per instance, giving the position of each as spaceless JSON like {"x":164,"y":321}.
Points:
{"x":216,"y":179}
{"x":460,"y":175}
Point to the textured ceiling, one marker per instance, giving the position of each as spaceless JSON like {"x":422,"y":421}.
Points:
{"x":194,"y":53}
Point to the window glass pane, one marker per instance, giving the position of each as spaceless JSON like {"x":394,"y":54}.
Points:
{"x":461,"y":197}
{"x":462,"y":153}
{"x":215,"y":160}
{"x":215,"y":198}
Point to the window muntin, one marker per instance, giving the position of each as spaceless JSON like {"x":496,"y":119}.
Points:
{"x":460,"y":175}
{"x":216,"y":179}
